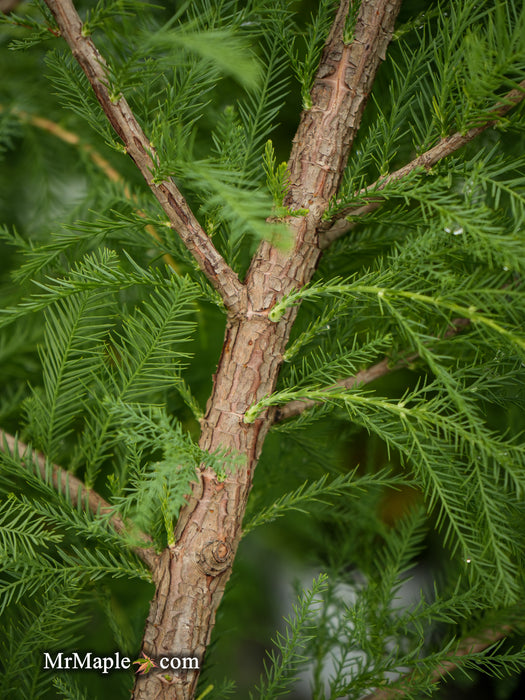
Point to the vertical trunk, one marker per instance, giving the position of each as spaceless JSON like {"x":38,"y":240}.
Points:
{"x":192,"y":574}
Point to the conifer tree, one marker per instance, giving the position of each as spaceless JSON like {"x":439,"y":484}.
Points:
{"x":190,"y":291}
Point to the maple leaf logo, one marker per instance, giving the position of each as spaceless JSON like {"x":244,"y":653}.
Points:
{"x":145,"y":664}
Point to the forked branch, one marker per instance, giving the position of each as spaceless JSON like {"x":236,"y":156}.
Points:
{"x":138,"y":146}
{"x":194,"y":572}
{"x":77,"y":492}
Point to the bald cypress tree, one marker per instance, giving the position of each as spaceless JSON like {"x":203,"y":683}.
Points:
{"x":264,"y":234}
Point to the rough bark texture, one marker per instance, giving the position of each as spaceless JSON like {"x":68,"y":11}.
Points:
{"x":191,"y":575}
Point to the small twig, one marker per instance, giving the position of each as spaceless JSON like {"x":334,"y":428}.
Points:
{"x":64,"y":482}
{"x":466,"y":647}
{"x":54,"y":32}
{"x":142,"y":152}
{"x":426,"y":160}
{"x":113,"y":175}
{"x":365,"y":376}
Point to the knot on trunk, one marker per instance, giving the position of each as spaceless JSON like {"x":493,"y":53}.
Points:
{"x":215,"y":557}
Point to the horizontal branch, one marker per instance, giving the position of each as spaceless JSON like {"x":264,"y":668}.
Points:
{"x":445,"y":147}
{"x":64,"y":482}
{"x":364,"y":376}
{"x":139,"y":148}
{"x":466,"y":647}
{"x":109,"y":171}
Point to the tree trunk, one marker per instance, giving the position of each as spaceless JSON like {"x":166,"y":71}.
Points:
{"x":192,"y":574}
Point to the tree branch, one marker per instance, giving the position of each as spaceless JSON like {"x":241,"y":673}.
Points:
{"x":123,"y":121}
{"x":339,"y":95}
{"x":113,"y":175}
{"x":193,"y":574}
{"x":466,"y":647}
{"x":64,"y":482}
{"x":444,"y":148}
{"x":364,"y":376}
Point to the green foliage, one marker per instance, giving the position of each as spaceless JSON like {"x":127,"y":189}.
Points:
{"x":74,"y":352}
{"x":68,"y":690}
{"x":156,"y":490}
{"x":108,"y":346}
{"x":277,"y":180}
{"x":356,"y":644}
{"x":49,"y":624}
{"x":304,"y":58}
{"x":229,"y":52}
{"x":276,"y":176}
{"x":52,"y":556}
{"x":320,"y":491}
{"x":73,"y":89}
{"x":287,"y":659}
{"x":44,"y":28}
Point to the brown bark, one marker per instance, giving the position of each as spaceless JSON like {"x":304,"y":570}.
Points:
{"x":444,"y":148}
{"x":64,"y":482}
{"x":192,"y":574}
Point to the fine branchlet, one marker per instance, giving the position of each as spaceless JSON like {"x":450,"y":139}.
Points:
{"x":75,"y":492}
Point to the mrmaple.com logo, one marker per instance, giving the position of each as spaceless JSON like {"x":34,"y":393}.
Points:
{"x":88,"y":661}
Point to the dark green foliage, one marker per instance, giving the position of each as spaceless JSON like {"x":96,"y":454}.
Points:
{"x":109,"y":337}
